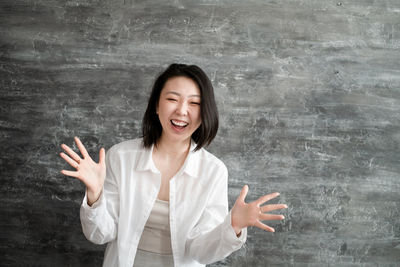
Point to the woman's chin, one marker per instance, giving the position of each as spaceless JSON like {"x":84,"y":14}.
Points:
{"x":178,"y":136}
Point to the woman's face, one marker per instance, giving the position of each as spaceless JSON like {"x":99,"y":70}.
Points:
{"x":179,"y":108}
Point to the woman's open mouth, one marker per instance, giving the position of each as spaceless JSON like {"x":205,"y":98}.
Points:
{"x":179,"y":124}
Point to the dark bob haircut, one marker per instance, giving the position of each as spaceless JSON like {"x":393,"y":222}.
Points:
{"x":151,"y":126}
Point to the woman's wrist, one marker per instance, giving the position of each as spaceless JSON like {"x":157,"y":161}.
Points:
{"x":92,"y":197}
{"x":238,"y":234}
{"x":238,"y":230}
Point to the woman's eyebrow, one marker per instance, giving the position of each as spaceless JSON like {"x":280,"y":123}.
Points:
{"x":178,"y":94}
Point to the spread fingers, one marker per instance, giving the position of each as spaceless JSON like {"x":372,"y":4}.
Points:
{"x":264,"y":227}
{"x":70,"y":173}
{"x":81,"y":147}
{"x":266,"y":198}
{"x":268,"y":208}
{"x":71,"y":153}
{"x":271,"y":217}
{"x":70,"y":161}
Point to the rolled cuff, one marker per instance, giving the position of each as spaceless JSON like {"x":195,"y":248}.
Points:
{"x":91,"y":211}
{"x":230,"y":235}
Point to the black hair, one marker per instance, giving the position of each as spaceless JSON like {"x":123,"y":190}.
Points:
{"x":151,"y":126}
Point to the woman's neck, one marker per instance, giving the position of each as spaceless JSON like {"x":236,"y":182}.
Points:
{"x":172,"y":148}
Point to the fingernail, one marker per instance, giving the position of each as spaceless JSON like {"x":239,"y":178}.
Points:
{"x":286,"y":206}
{"x":283,"y":217}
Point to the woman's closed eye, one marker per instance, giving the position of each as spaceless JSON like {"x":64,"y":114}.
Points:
{"x":172,"y":99}
{"x":195,"y":103}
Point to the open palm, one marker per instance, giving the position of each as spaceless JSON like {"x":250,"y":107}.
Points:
{"x":251,"y":214}
{"x":92,"y":174}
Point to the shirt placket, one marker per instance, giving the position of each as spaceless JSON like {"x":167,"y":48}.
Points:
{"x":172,"y":221}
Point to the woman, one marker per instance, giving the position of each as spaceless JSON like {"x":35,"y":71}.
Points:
{"x":162,"y":200}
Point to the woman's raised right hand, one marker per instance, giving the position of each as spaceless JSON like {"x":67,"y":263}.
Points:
{"x":92,"y":174}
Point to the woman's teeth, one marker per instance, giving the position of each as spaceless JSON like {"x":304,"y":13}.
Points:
{"x":178,"y":123}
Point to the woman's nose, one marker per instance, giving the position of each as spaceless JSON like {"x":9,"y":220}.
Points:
{"x":182,"y":109}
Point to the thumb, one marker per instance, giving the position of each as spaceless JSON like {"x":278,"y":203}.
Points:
{"x":102,"y":156}
{"x":243,"y":193}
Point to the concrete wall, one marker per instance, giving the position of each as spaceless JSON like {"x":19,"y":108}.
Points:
{"x":309,"y":100}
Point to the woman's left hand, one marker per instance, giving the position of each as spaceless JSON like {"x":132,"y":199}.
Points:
{"x":251,"y":214}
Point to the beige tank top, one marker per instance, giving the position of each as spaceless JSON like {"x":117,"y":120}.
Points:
{"x":156,"y":236}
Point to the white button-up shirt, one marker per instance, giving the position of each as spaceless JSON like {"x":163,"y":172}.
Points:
{"x":201,"y":231}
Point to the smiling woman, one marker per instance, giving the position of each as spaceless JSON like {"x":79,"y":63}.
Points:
{"x":166,"y":87}
{"x":162,"y":200}
{"x":179,"y":109}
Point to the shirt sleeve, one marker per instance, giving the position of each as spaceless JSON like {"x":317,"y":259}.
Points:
{"x":213,"y":237}
{"x":99,"y":221}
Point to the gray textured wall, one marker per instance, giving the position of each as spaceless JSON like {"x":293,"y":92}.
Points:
{"x":309,"y":98}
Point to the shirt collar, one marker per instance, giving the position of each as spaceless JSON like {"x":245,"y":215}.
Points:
{"x":145,"y":161}
{"x":190,"y":166}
